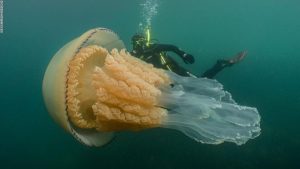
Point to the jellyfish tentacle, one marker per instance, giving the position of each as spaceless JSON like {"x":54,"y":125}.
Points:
{"x":122,"y":100}
{"x":208,"y":113}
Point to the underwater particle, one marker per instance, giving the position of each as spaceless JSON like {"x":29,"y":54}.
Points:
{"x":93,"y":88}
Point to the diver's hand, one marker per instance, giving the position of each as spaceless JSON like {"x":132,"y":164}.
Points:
{"x":187,"y":58}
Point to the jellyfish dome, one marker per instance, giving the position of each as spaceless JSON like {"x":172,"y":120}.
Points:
{"x":93,"y":87}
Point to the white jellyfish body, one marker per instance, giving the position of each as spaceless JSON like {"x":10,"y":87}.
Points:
{"x":92,"y":92}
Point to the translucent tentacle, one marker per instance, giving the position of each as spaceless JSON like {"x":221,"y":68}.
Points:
{"x":202,"y":110}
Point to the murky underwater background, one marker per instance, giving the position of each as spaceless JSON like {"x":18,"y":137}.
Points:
{"x":209,"y":29}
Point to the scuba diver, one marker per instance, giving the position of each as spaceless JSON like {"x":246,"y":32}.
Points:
{"x":156,"y":54}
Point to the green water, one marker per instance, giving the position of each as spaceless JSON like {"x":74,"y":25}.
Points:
{"x":209,"y":29}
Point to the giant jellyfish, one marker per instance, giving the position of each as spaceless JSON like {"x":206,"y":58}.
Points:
{"x":93,"y":88}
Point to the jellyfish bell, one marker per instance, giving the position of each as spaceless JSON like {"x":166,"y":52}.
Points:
{"x":55,"y":78}
{"x":94,"y":87}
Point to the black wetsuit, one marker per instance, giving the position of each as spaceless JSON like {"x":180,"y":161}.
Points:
{"x":154,"y":53}
{"x":220,"y":65}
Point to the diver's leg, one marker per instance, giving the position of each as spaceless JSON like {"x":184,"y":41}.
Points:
{"x":183,"y":72}
{"x":171,"y":65}
{"x":221,"y":64}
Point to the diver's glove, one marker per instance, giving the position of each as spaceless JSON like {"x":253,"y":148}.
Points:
{"x":187,"y":58}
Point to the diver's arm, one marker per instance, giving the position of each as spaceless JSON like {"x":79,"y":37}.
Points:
{"x":157,"y":48}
